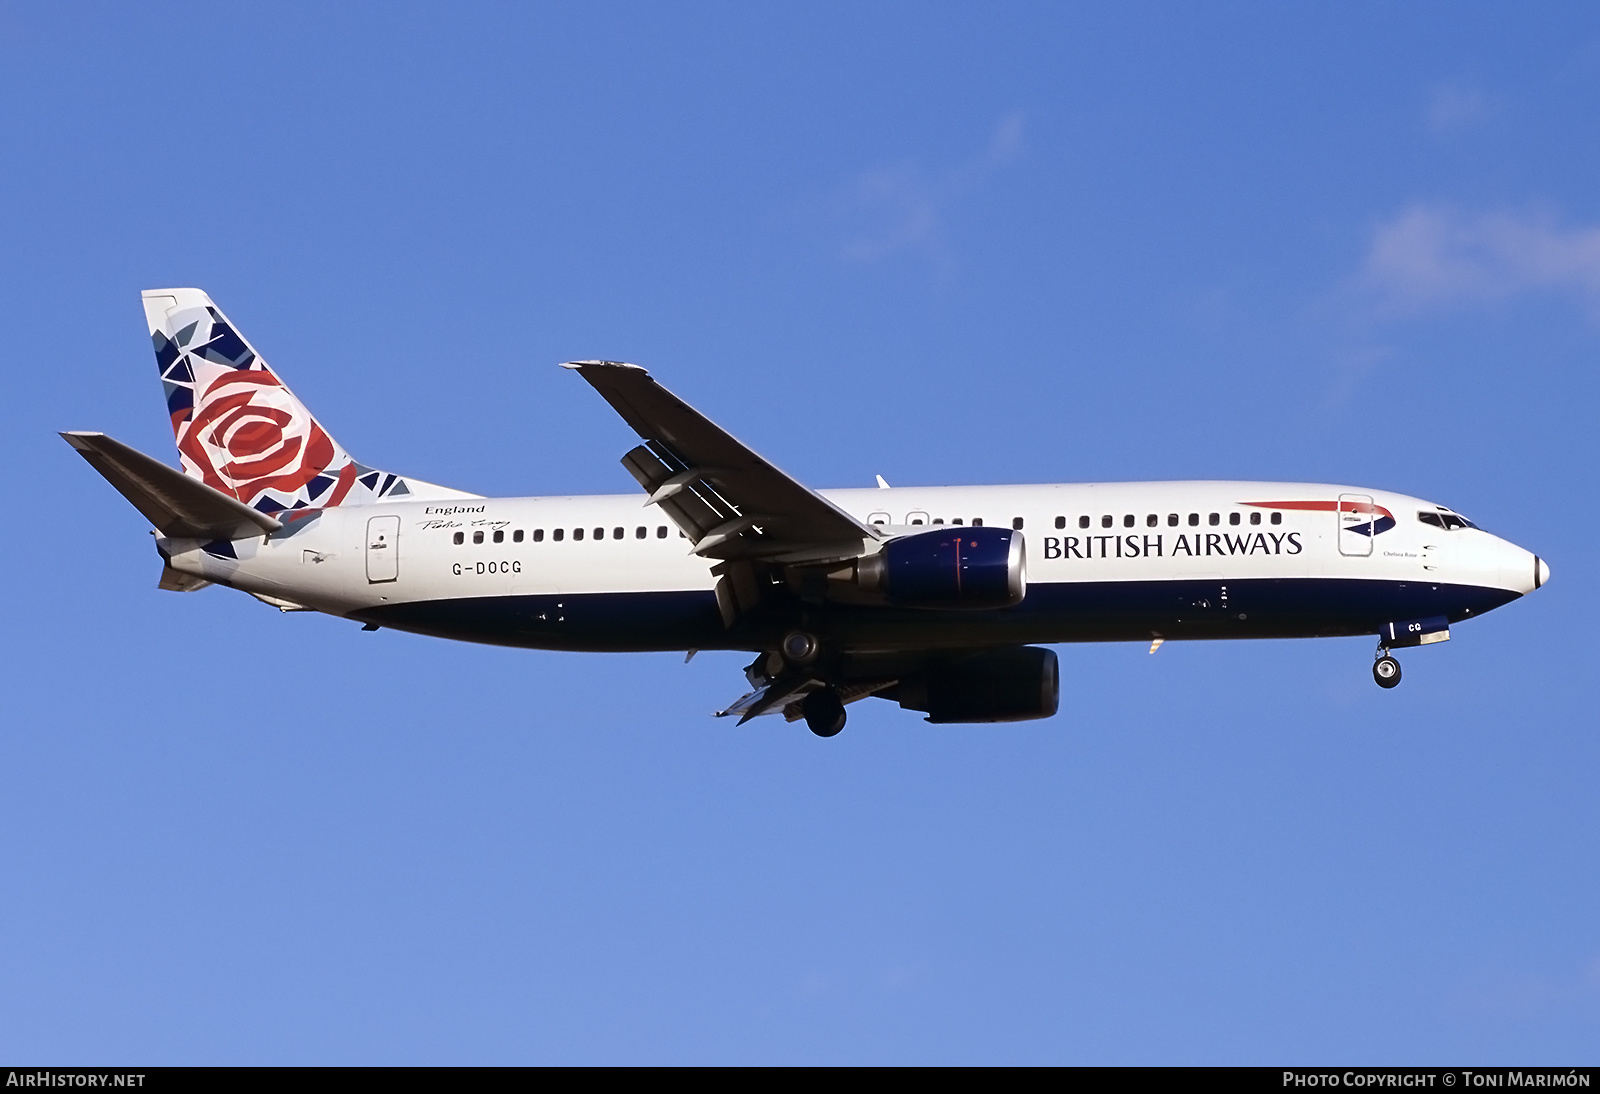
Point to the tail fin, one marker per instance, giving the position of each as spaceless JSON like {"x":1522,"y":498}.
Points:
{"x":240,"y":430}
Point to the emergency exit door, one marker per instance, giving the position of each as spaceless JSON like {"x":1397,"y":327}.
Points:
{"x":383,"y":549}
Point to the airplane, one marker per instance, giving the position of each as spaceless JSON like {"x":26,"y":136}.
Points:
{"x":941,"y":599}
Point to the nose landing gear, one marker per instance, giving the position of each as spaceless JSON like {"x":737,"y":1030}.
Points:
{"x":1386,"y":670}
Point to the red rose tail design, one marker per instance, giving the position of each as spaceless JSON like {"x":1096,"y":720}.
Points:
{"x":239,"y":429}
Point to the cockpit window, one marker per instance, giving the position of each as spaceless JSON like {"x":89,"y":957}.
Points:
{"x":1443,"y":518}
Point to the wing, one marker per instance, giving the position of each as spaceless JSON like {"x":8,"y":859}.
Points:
{"x":783,"y":697}
{"x":731,"y":503}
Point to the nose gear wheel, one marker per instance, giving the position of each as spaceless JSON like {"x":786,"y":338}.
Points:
{"x":1386,"y":671}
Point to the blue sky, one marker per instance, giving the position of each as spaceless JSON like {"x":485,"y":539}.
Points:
{"x":944,"y":243}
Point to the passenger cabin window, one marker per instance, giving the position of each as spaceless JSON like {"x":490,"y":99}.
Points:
{"x":1083,"y":522}
{"x":616,"y":533}
{"x":1016,"y":522}
{"x":516,"y":537}
{"x":1172,"y":520}
{"x":1214,"y":519}
{"x":499,"y":535}
{"x":577,"y":533}
{"x":1255,"y":518}
{"x":955,"y":520}
{"x":460,"y":537}
{"x":1194,"y":520}
{"x":661,"y":531}
{"x":538,"y":535}
{"x":1277,"y":518}
{"x":1233,"y":518}
{"x":1061,"y":522}
{"x":559,"y":534}
{"x":977,"y":522}
{"x":938,"y":520}
{"x":1105,"y":521}
{"x":1127,"y":521}
{"x":599,"y":533}
{"x":1151,"y":521}
{"x":477,"y":537}
{"x":640,"y":532}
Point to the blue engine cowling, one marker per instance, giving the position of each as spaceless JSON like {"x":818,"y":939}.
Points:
{"x":951,"y":567}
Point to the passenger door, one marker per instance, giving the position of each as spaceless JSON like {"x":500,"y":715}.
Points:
{"x":1357,"y":518}
{"x":383,"y":549}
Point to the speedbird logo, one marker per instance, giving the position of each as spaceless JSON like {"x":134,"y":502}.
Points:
{"x":1361,"y":517}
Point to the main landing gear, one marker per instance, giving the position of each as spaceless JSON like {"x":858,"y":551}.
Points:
{"x":1386,"y":670}
{"x":792,"y":671}
{"x":823,"y":708}
{"x":824,"y":712}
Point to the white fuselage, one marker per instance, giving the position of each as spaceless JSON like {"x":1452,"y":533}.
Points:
{"x":354,"y":560}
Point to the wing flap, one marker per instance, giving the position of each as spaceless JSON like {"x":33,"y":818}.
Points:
{"x":783,"y":697}
{"x":176,"y":505}
{"x":691,"y":503}
{"x":728,"y":500}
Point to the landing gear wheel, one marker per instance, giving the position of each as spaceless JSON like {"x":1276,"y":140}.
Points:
{"x":799,"y":648}
{"x":1386,"y":671}
{"x":823,"y":711}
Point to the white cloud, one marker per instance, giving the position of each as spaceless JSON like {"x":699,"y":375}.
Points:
{"x":902,"y":208}
{"x":1435,"y":256}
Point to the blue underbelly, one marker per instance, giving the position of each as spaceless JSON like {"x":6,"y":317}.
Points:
{"x":1109,"y":611}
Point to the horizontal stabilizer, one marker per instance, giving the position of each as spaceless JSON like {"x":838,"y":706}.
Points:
{"x":176,"y":581}
{"x":178,"y":506}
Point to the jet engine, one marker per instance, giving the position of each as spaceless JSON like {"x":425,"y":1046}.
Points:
{"x":1007,"y":685}
{"x":950,"y":567}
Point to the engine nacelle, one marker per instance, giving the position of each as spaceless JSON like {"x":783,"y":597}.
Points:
{"x":1009,"y":685}
{"x":950,"y":567}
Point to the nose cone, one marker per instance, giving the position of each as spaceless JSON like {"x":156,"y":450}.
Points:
{"x":1522,"y":570}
